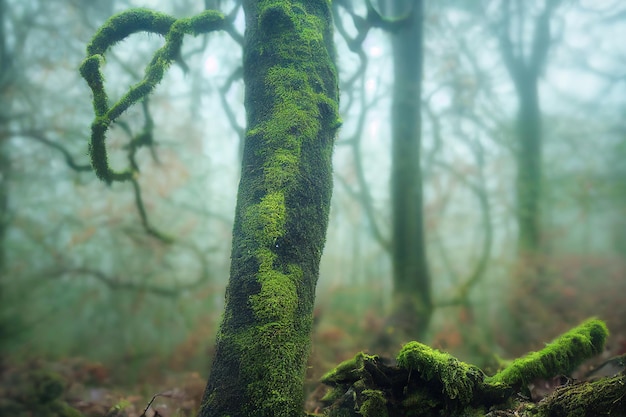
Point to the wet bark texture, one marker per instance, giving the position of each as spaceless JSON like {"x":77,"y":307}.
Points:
{"x":282,"y":211}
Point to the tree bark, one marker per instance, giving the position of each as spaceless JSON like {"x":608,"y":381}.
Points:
{"x":525,"y":71}
{"x":282,"y":210}
{"x":528,"y":186}
{"x":412,"y":301}
{"x":5,"y":166}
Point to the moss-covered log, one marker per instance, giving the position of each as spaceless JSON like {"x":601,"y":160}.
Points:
{"x":559,"y":357}
{"x":282,"y":210}
{"x":605,"y":397}
{"x":427,"y":382}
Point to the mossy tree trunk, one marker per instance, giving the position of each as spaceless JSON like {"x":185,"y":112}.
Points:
{"x":282,"y":210}
{"x":412,"y":302}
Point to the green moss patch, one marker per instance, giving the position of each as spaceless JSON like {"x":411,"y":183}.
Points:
{"x":458,"y":379}
{"x":561,"y":356}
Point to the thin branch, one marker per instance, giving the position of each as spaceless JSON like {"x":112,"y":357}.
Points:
{"x":116,"y":283}
{"x":152,"y":231}
{"x":236,"y":75}
{"x":41,"y":138}
{"x":462,"y":291}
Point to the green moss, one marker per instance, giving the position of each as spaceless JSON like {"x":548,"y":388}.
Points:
{"x":205,"y":22}
{"x":292,"y":120}
{"x":332,"y":395}
{"x":45,"y":386}
{"x":62,"y":409}
{"x":559,"y":357}
{"x":37,"y":393}
{"x":374,"y":404}
{"x":277,"y":300}
{"x":114,"y":30}
{"x":348,"y":371}
{"x":282,"y":211}
{"x":265,"y":221}
{"x":276,"y":17}
{"x":122,"y":25}
{"x":428,"y":382}
{"x":90,"y":71}
{"x":458,"y":379}
{"x":605,"y":397}
{"x":419,"y":402}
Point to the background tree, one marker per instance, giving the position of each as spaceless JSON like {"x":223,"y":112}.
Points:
{"x":412,"y":301}
{"x":525,"y":59}
{"x":5,"y":76}
{"x":412,"y":305}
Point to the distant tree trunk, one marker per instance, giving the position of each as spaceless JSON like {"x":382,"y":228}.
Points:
{"x":528,"y":186}
{"x":282,"y":210}
{"x":618,"y":225}
{"x":525,"y":70}
{"x":5,"y":76}
{"x":4,"y":222}
{"x":412,"y":302}
{"x":526,"y":299}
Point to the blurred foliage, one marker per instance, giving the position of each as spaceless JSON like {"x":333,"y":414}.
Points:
{"x":81,"y":278}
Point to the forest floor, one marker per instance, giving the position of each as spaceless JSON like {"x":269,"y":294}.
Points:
{"x":173,"y":387}
{"x":92,"y":389}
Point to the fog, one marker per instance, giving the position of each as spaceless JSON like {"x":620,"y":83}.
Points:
{"x":82,"y":276}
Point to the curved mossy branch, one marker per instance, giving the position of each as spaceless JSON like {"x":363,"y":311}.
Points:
{"x":561,"y":356}
{"x":116,"y":29}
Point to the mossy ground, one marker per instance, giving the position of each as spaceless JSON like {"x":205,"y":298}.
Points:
{"x":34,"y":392}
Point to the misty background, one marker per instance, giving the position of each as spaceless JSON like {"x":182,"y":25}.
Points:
{"x":80,"y":277}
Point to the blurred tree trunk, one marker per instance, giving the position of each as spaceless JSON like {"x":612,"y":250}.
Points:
{"x":412,"y":302}
{"x":5,"y":77}
{"x":525,"y":71}
{"x":525,"y":62}
{"x":282,"y":210}
{"x":618,"y":229}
